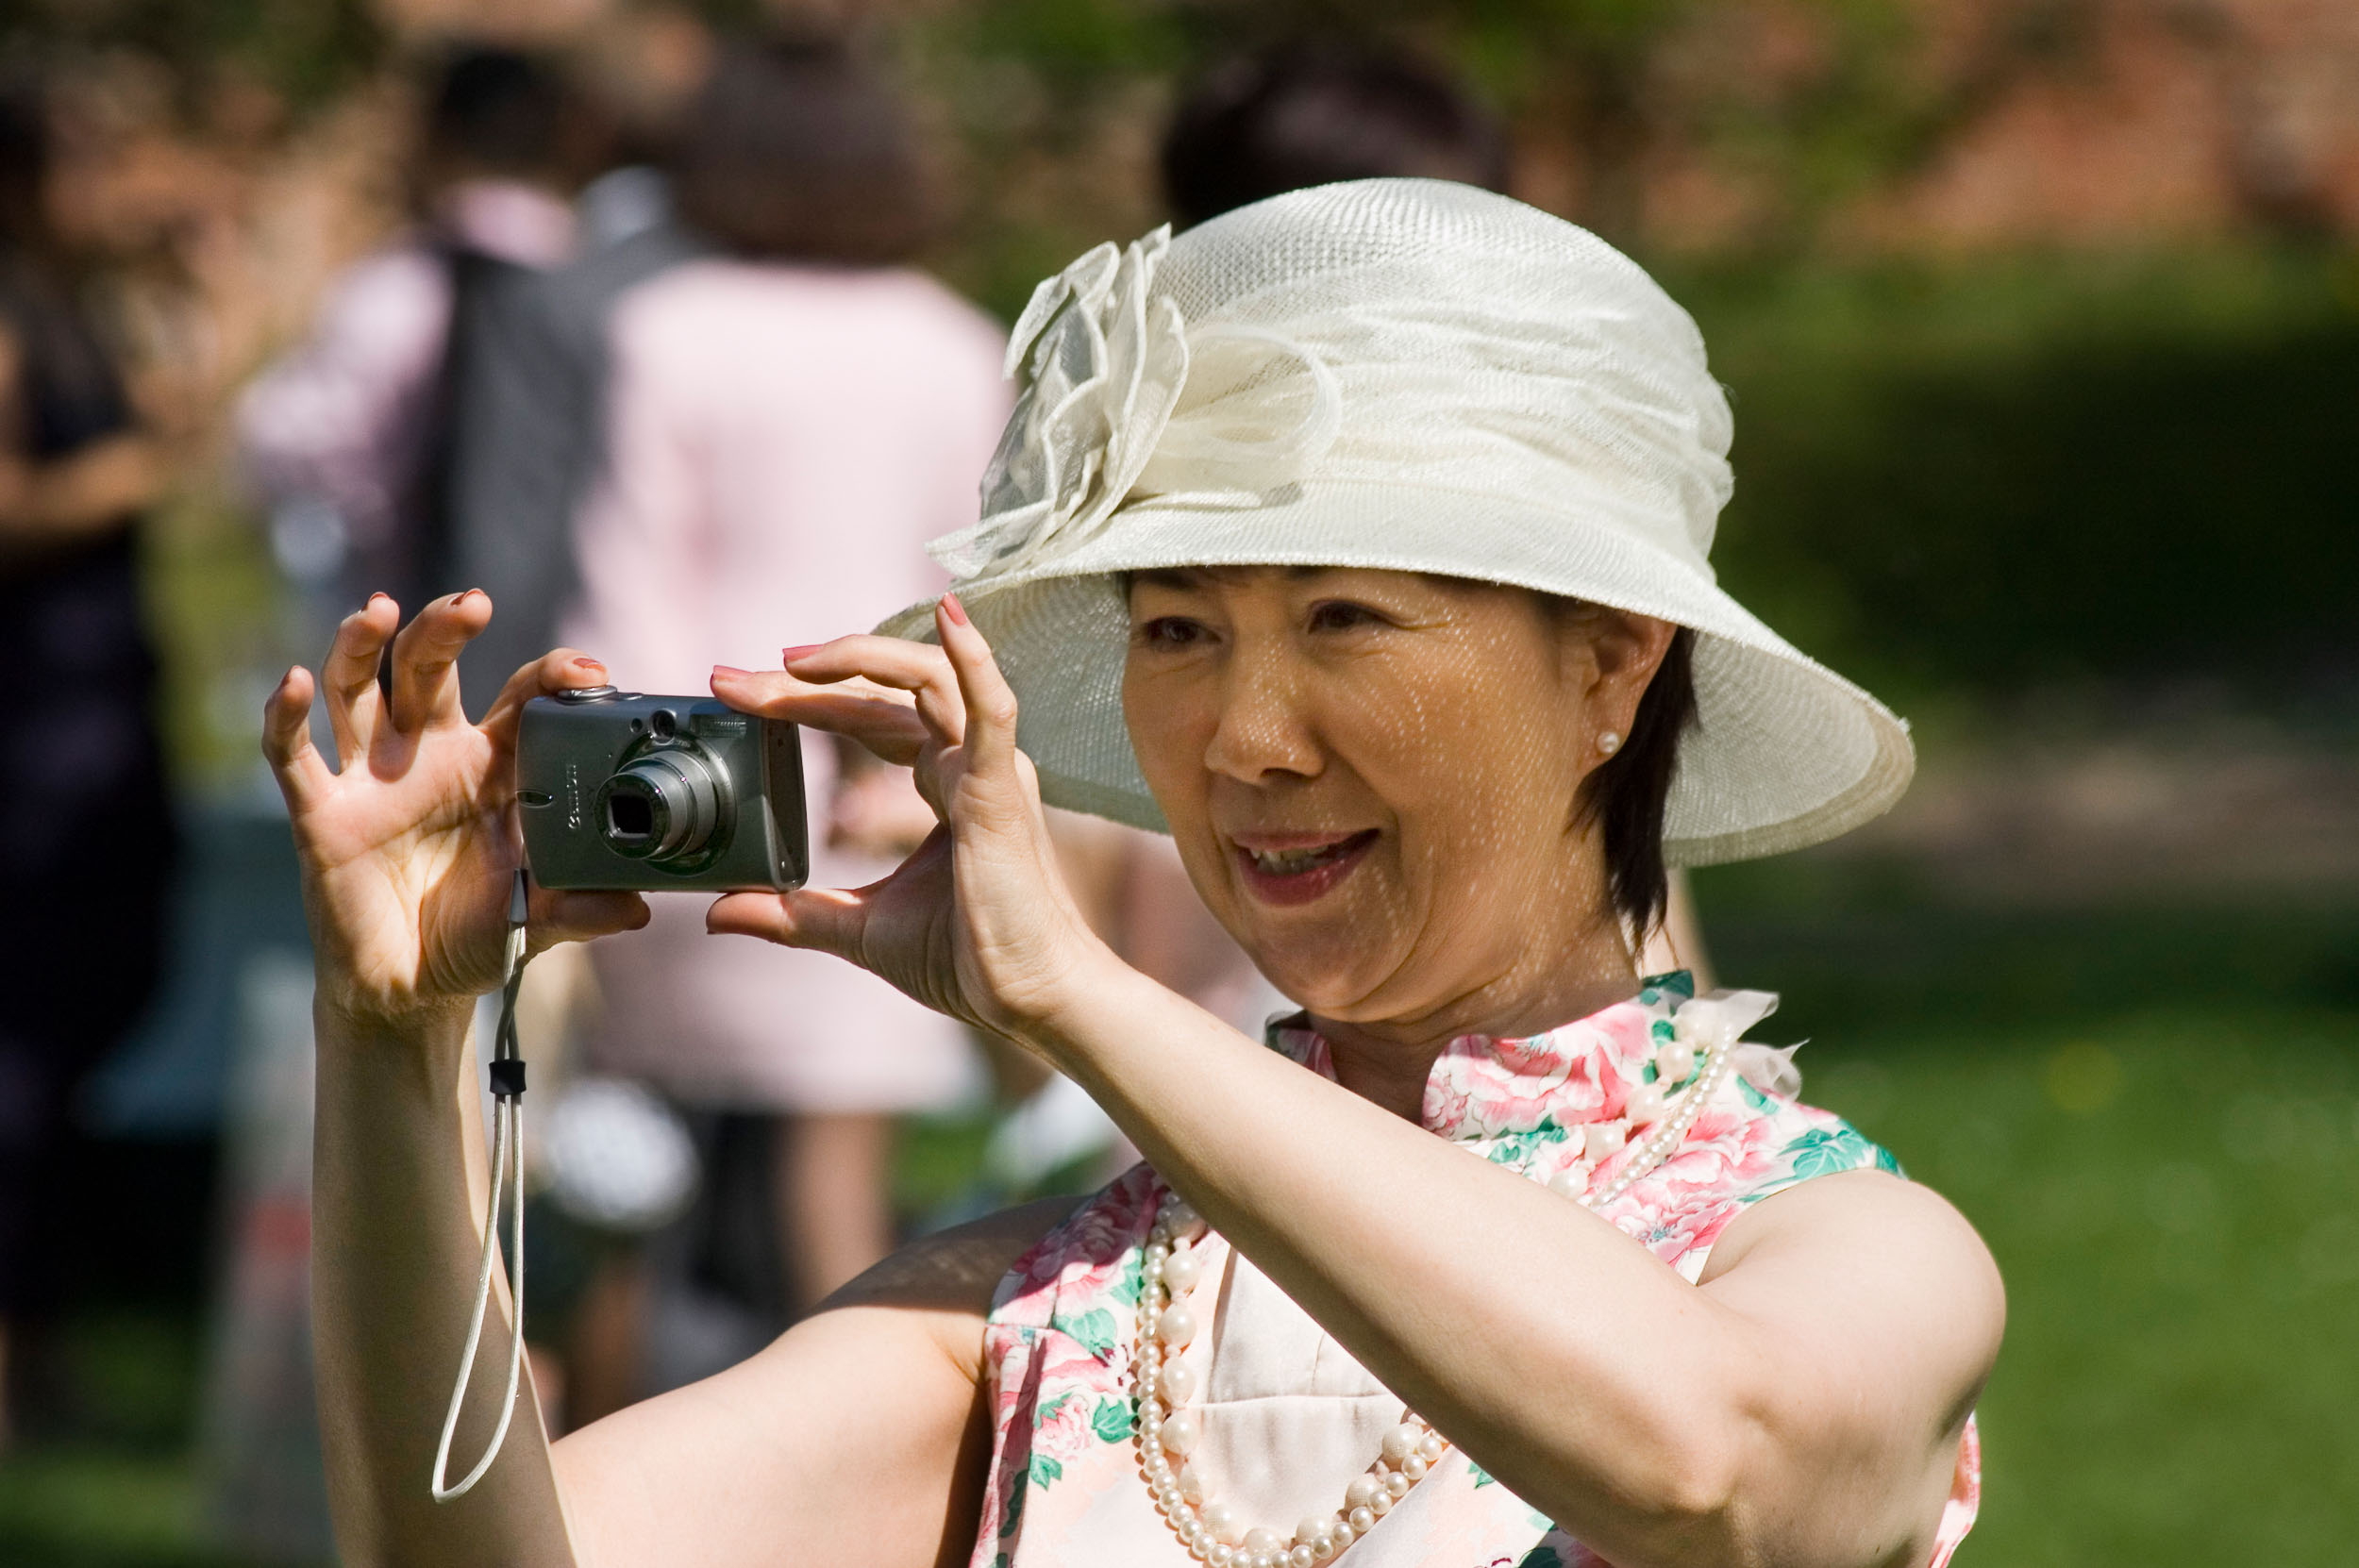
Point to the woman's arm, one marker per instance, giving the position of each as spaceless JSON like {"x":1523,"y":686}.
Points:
{"x":407,"y":854}
{"x":1803,"y":1407}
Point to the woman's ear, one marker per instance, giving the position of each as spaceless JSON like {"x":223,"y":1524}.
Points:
{"x":1624,"y":650}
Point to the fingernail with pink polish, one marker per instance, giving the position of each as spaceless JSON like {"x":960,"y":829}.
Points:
{"x":719,"y":670}
{"x":956,"y":610}
{"x":586,"y":662}
{"x":790,"y":655}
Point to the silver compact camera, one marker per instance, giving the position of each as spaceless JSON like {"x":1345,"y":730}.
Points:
{"x":636,"y":794}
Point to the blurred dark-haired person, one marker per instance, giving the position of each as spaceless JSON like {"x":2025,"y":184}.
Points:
{"x":87,"y":847}
{"x":1313,"y":113}
{"x":789,"y":420}
{"x":353,"y":436}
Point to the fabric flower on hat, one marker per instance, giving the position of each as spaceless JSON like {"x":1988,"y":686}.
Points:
{"x":1126,"y":397}
{"x":1107,"y":359}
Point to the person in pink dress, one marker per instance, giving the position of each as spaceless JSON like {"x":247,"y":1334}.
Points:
{"x":1359,"y":540}
{"x":789,"y":423}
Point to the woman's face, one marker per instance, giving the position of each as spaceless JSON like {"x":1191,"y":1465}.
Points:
{"x":1372,"y":776}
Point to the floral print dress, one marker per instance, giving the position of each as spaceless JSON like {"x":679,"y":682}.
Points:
{"x":1288,"y":1415}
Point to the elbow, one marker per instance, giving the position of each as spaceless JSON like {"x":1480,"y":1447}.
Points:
{"x":1682,"y":1492}
{"x":1694,"y":1484}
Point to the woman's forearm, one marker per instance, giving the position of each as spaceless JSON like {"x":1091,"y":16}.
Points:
{"x":94,"y":490}
{"x":1572,"y":1364}
{"x":399,"y":1183}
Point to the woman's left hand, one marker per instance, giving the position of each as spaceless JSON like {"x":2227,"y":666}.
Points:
{"x":977,"y":922}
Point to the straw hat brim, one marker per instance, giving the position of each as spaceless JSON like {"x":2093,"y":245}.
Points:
{"x":1784,"y":753}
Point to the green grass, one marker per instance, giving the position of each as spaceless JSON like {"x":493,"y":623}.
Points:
{"x":2151,"y":1113}
{"x":2173,"y":1197}
{"x":100,"y":1505}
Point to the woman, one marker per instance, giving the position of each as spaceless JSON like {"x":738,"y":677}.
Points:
{"x":1299,"y":544}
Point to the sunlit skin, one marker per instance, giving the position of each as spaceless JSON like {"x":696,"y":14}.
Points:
{"x":1431,"y":733}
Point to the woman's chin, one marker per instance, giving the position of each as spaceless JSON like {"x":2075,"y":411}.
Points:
{"x":1327,"y":979}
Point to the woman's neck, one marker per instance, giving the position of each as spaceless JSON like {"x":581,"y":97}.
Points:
{"x":1388,"y":1061}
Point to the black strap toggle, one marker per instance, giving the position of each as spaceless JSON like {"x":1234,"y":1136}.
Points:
{"x":508,"y":1078}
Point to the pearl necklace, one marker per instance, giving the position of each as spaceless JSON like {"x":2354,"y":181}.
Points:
{"x":1172,"y":1266}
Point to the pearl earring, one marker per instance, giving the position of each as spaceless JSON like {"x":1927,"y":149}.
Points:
{"x":1609,"y":743}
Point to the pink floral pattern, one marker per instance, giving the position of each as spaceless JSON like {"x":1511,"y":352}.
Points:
{"x":1059,"y":1343}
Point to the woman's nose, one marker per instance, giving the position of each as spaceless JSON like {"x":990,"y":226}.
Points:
{"x":1263,"y":728}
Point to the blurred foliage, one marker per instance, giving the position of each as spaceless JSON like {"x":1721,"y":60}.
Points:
{"x":306,"y":50}
{"x":2011,"y":474}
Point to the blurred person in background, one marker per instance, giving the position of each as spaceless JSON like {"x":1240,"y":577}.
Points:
{"x":529,"y":429}
{"x":788,"y":422}
{"x":1312,"y":111}
{"x":85,"y":865}
{"x":355,"y":437}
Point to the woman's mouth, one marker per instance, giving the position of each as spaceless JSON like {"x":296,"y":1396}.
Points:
{"x":1295,"y":868}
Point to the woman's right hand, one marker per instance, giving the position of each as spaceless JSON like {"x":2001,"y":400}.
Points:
{"x":408,"y":847}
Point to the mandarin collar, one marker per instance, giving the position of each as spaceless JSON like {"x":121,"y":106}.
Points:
{"x":1484,"y":1085}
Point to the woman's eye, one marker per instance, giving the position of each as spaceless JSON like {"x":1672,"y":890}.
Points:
{"x":1171,"y":631}
{"x":1341,"y":615}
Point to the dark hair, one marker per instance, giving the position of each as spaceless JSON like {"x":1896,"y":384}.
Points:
{"x":1310,"y":113}
{"x":797,"y":151}
{"x":1625,"y":796}
{"x":500,"y":110}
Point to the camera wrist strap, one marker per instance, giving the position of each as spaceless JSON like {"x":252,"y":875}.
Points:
{"x":508,"y":1161}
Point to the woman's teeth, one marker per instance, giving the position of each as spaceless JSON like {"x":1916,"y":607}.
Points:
{"x":1290,"y":862}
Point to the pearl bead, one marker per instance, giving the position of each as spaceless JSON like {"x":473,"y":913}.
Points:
{"x":1261,"y":1541}
{"x":1400,"y":1441}
{"x":1362,"y":1520}
{"x":1382,"y":1506}
{"x":1431,"y":1447}
{"x":1222,"y":1521}
{"x":1646,"y":1104}
{"x":1414,"y":1467}
{"x":1599,"y":1139}
{"x":1178,"y":1381}
{"x":1398,"y":1484}
{"x":1176,"y":1327}
{"x":1361,"y":1491}
{"x":1221,"y":1556}
{"x":1181,"y":1432}
{"x":1191,"y":1485}
{"x":1182,"y":1270}
{"x":1301,"y":1557}
{"x":1572,"y":1181}
{"x":1673,"y":1061}
{"x":1313,"y":1529}
{"x":1346,"y":1532}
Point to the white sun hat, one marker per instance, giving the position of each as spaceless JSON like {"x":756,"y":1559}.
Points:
{"x":1406,"y":374}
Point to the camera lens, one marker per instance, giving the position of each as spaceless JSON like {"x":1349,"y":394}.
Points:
{"x":663,"y":807}
{"x":629,"y":817}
